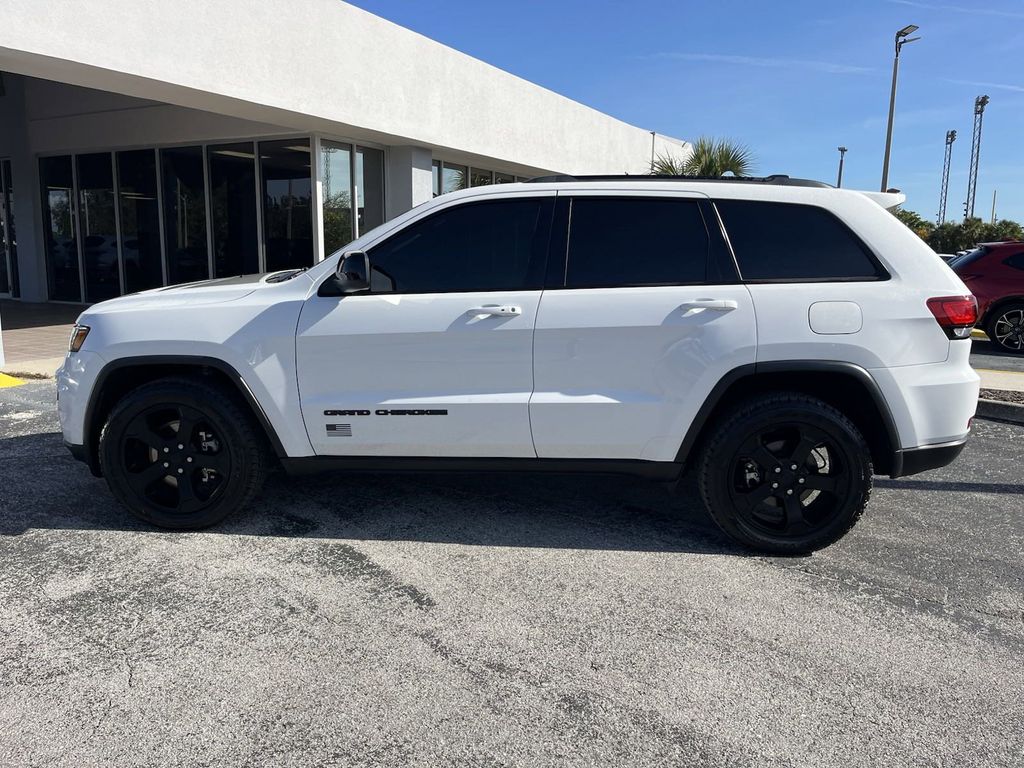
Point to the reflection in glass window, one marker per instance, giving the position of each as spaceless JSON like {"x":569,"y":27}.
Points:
{"x":6,"y":236}
{"x":370,"y":188}
{"x":287,"y":195}
{"x":337,"y":184}
{"x":184,"y":214}
{"x":453,"y":178}
{"x":233,"y":209}
{"x":435,"y":170}
{"x":98,"y":226}
{"x":140,"y":219}
{"x":480,"y":178}
{"x":12,"y":235}
{"x":503,"y":178}
{"x":55,"y":179}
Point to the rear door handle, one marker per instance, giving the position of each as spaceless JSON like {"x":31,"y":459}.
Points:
{"x":717,"y":305}
{"x":496,"y":310}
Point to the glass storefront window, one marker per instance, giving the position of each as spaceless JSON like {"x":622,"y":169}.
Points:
{"x":98,"y":226}
{"x":140,"y":220}
{"x":453,"y":178}
{"x":12,"y":236}
{"x":503,"y":178}
{"x":337,"y":185}
{"x":287,"y":202}
{"x":184,"y":214}
{"x":480,"y":178}
{"x":57,"y":185}
{"x":369,"y":188}
{"x":233,"y":209}
{"x":6,"y":236}
{"x":435,"y":171}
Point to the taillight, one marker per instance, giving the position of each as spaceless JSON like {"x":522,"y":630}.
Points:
{"x":956,"y":315}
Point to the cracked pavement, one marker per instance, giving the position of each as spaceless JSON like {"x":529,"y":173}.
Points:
{"x":504,"y":620}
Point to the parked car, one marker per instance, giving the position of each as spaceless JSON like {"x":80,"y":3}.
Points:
{"x":995,"y":274}
{"x":783,"y":339}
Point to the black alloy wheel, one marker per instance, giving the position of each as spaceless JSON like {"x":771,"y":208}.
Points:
{"x":182,"y":453}
{"x":1006,"y":328}
{"x":785,"y":473}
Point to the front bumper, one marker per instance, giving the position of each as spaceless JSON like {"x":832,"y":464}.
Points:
{"x":910,"y":461}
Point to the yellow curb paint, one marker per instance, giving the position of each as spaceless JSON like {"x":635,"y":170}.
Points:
{"x":9,"y":381}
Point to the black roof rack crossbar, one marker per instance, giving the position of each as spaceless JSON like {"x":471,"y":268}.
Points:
{"x":777,"y":178}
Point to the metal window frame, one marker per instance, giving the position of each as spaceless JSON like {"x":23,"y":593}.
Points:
{"x":5,"y":247}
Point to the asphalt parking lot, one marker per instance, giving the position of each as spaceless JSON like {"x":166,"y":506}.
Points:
{"x":504,"y":620}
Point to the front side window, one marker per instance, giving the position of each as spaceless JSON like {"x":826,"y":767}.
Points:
{"x":788,"y":242}
{"x":489,"y":246}
{"x":616,"y":242}
{"x":1016,"y":261}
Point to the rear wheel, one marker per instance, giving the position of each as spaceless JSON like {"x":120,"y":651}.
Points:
{"x":1006,"y":328}
{"x":181,"y":453}
{"x":786,"y":474}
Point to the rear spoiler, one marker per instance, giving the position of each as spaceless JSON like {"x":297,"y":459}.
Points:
{"x":888,"y":200}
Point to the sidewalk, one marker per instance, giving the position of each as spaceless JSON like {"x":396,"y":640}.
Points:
{"x":35,"y":336}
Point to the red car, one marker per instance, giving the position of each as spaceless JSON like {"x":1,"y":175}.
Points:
{"x":994,"y":272}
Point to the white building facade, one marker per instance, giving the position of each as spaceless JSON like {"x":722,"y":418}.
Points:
{"x":146,"y":143}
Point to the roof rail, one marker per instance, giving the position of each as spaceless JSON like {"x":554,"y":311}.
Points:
{"x":777,"y":178}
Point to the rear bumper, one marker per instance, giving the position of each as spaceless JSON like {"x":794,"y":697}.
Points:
{"x":910,"y":461}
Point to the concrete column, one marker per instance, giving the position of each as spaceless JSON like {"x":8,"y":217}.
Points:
{"x":14,"y":143}
{"x":409,"y":179}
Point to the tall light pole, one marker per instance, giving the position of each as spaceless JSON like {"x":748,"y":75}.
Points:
{"x":944,"y":191}
{"x":842,"y":154}
{"x":972,"y":176}
{"x":901,"y":40}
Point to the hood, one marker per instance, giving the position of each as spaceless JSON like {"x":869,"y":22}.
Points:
{"x":216,"y":291}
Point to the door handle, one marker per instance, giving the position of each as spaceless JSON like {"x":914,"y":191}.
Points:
{"x":716,"y":305}
{"x":496,"y":310}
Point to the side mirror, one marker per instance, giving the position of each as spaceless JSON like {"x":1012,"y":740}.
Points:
{"x":353,"y":272}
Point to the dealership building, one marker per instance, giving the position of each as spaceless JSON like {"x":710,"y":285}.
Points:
{"x":146,"y":143}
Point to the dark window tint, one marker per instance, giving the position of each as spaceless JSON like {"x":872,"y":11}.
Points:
{"x":140,"y":219}
{"x":184,"y":214}
{"x":98,"y":226}
{"x":477,"y":247}
{"x":287,"y":224}
{"x":55,"y":179}
{"x":782,"y":241}
{"x":635,"y":241}
{"x":1016,"y":261}
{"x":233,"y":209}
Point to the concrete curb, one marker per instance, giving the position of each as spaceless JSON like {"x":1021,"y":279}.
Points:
{"x":997,"y":409}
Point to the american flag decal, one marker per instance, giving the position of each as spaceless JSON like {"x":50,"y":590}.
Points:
{"x":339,"y":430}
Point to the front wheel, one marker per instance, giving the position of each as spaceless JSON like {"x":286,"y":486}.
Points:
{"x":181,"y":453}
{"x":785,"y":474}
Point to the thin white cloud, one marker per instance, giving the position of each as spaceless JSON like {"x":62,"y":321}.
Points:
{"x":754,"y":61}
{"x":998,"y":86}
{"x":961,"y":9}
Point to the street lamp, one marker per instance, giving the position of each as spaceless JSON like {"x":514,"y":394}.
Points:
{"x":842,"y":154}
{"x":901,"y":39}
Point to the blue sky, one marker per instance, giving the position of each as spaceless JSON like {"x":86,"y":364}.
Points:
{"x":792,"y":79}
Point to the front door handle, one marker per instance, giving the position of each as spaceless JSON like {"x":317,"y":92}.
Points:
{"x":496,"y":310}
{"x":716,"y":305}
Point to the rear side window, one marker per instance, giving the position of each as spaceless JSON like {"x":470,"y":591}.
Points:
{"x":497,"y":245}
{"x":635,"y":241}
{"x":788,"y":242}
{"x":1016,"y":261}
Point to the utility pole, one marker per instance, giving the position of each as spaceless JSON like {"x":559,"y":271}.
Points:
{"x":842,"y":154}
{"x":944,"y":192}
{"x":972,"y":179}
{"x":901,"y":40}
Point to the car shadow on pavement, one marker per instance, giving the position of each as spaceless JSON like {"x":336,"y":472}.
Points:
{"x":42,"y":486}
{"x":940,"y":485}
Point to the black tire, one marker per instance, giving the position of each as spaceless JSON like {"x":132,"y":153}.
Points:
{"x":176,"y":480}
{"x":1005,"y":328}
{"x":785,"y":474}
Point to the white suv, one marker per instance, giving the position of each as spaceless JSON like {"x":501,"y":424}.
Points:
{"x":785,"y":339}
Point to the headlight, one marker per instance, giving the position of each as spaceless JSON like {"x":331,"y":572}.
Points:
{"x":78,"y":334}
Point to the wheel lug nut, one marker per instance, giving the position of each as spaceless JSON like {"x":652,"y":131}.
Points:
{"x":189,"y":460}
{"x":167,"y":450}
{"x":777,"y":470}
{"x":801,"y":481}
{"x":180,"y":446}
{"x":775,"y":485}
{"x":181,"y":471}
{"x":793,"y":467}
{"x":166,"y":464}
{"x":788,"y":493}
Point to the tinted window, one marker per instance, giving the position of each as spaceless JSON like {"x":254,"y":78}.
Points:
{"x":635,"y":241}
{"x":968,"y":258}
{"x":782,"y":241}
{"x":1016,"y":261}
{"x":489,"y":246}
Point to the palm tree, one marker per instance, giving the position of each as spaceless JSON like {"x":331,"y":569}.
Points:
{"x":710,"y":157}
